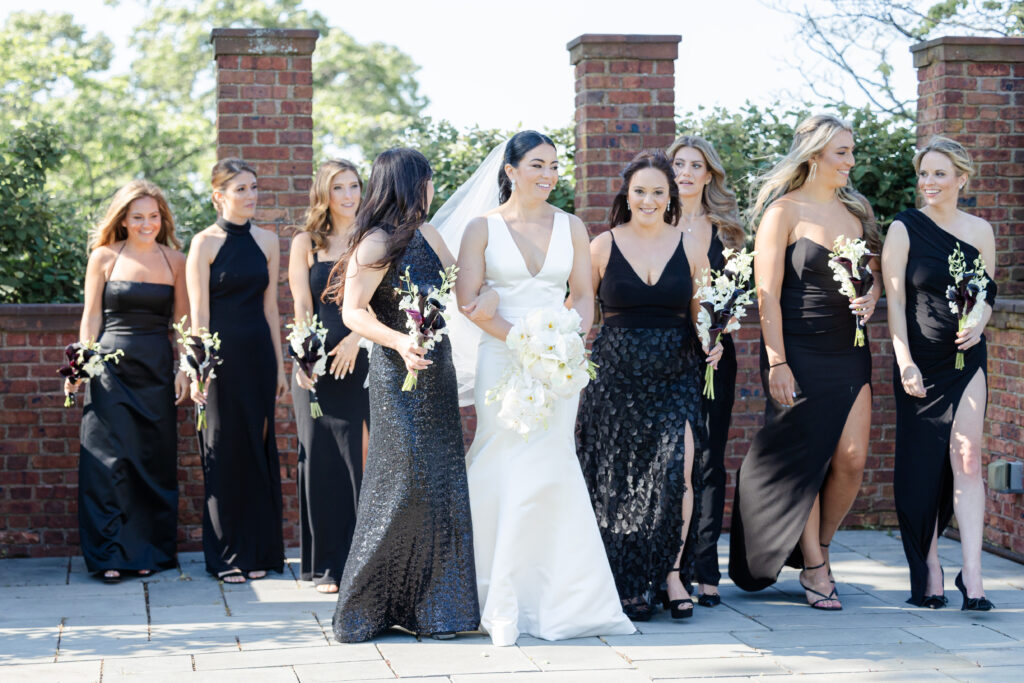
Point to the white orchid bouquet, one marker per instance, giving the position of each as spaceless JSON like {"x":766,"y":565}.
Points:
{"x":724,"y":297}
{"x":84,"y":360}
{"x":199,"y":357}
{"x":307,"y":344}
{"x":427,"y":314}
{"x":550,"y":362}
{"x":964,"y":293}
{"x":849,"y":259}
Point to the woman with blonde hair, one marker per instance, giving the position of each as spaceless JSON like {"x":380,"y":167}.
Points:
{"x":128,"y":466}
{"x":940,"y":410}
{"x":709,"y":215}
{"x":332,"y":446}
{"x":804,"y":467}
{"x":232,"y":282}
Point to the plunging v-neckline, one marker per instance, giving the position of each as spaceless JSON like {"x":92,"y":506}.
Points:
{"x":664,"y":268}
{"x":547,"y":252}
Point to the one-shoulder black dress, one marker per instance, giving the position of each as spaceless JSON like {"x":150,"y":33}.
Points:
{"x":632,"y":421}
{"x":241,"y":471}
{"x":411,"y":562}
{"x":789,"y":458}
{"x":923,"y":477}
{"x":330,"y":467}
{"x":128,"y":467}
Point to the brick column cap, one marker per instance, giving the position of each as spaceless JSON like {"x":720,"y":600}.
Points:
{"x":968,"y":49}
{"x":263,"y":41}
{"x":622,"y":46}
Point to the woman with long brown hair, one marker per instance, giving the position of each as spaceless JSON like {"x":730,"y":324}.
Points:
{"x":709,"y":215}
{"x":332,"y":446}
{"x":128,"y":467}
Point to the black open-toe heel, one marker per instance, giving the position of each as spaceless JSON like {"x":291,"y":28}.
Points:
{"x":637,"y":609}
{"x":817,"y":603}
{"x":675,"y":606}
{"x":981,"y":604}
{"x":709,"y":600}
{"x":829,"y":563}
{"x":936,"y":601}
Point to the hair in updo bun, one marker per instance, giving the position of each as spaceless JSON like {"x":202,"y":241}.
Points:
{"x":515,"y":149}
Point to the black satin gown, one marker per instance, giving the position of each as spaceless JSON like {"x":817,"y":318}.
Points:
{"x":789,"y":458}
{"x":632,"y":421}
{"x":241,"y":470}
{"x":411,"y":562}
{"x":923,"y":477}
{"x":128,"y":467}
{"x":709,"y":466}
{"x":330,"y":466}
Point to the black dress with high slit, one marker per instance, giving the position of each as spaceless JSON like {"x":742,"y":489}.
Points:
{"x":241,"y":470}
{"x":631,"y":430}
{"x":923,"y":476}
{"x":128,"y":467}
{"x":785,"y":468}
{"x":411,"y":561}
{"x":330,"y":466}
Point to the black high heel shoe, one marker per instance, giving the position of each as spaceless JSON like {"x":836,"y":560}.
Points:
{"x":829,"y":563}
{"x":981,"y":604}
{"x":831,"y":597}
{"x":936,"y":601}
{"x":673,"y":606}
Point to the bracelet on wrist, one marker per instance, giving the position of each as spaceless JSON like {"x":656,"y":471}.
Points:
{"x":775,"y":365}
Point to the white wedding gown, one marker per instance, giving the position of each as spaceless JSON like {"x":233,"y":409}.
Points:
{"x":540,"y":563}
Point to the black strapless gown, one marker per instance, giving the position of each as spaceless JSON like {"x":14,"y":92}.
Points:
{"x":241,"y":470}
{"x":632,"y":421}
{"x":411,"y":562}
{"x":923,"y":477}
{"x":128,"y":467}
{"x":330,"y":467}
{"x":789,"y":458}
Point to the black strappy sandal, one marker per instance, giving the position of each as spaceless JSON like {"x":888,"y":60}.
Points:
{"x":674,"y":606}
{"x":233,"y":572}
{"x":829,"y":563}
{"x":817,"y":603}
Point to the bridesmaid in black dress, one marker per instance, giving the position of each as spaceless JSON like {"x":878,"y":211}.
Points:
{"x":411,"y":561}
{"x":331,"y":447}
{"x":128,"y":466}
{"x":640,"y":419}
{"x":804,"y":467}
{"x":940,"y":411}
{"x":232,"y":283}
{"x":708,"y":212}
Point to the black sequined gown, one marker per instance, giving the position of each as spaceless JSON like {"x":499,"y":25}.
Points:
{"x":633,"y":417}
{"x":411,"y":559}
{"x":128,"y":468}
{"x":789,"y":458}
{"x":923,"y":477}
{"x":330,"y":466}
{"x":241,"y":470}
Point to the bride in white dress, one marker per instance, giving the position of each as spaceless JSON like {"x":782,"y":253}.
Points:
{"x":540,"y":562}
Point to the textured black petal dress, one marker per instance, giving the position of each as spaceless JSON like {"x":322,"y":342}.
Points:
{"x":241,"y":470}
{"x":330,"y":468}
{"x":128,"y":468}
{"x":923,"y":477}
{"x":787,"y":462}
{"x":411,"y":561}
{"x":633,"y":417}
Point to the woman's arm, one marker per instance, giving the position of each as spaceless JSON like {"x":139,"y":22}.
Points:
{"x":699,"y":274}
{"x":769,"y":263}
{"x":197,"y":280}
{"x":894,"y":270}
{"x":92,"y":313}
{"x":581,"y":277}
{"x":270,"y":309}
{"x":471,"y":277}
{"x":177,"y":261}
{"x":298,"y":276}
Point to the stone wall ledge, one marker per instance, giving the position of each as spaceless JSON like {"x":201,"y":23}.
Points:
{"x":968,"y":49}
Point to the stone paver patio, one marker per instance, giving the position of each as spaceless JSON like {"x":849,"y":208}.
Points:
{"x":57,"y":623}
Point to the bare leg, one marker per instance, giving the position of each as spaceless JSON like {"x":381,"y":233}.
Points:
{"x":674,"y":584}
{"x":366,"y":443}
{"x":815,"y":579}
{"x":935,"y":582}
{"x":968,"y":486}
{"x":847,"y":470}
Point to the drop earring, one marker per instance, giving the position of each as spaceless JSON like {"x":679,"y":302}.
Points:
{"x":814,"y":171}
{"x":513,"y":184}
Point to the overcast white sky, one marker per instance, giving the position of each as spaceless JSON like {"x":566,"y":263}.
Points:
{"x":502,"y":64}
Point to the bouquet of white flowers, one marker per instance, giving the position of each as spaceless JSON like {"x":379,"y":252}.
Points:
{"x":724,"y":297}
{"x":963,"y":294}
{"x":306,"y":343}
{"x":848,"y":263}
{"x":199,"y":357}
{"x":551,"y":362}
{"x":84,"y":360}
{"x":426,"y":314}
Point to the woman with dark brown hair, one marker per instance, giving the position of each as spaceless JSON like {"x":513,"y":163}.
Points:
{"x":332,"y":446}
{"x":232,"y":284}
{"x":128,"y":467}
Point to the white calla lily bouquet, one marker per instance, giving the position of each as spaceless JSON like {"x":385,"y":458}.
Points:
{"x":724,"y":297}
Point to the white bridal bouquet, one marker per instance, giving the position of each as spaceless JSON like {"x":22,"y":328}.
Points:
{"x":550,"y":362}
{"x":724,"y":297}
{"x":964,"y":293}
{"x":306,"y":343}
{"x":426,"y":314}
{"x":848,"y":262}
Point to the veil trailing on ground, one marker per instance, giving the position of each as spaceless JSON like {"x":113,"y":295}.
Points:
{"x":475,"y":197}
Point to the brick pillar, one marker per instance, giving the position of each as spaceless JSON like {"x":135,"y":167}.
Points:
{"x":265,"y":113}
{"x":625,"y":102}
{"x":972,"y":90}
